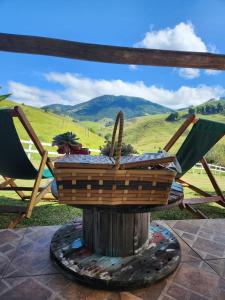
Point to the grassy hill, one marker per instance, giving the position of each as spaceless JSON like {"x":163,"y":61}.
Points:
{"x":150,"y":133}
{"x":47,"y":125}
{"x":107,"y":106}
{"x":213,"y":106}
{"x":146,"y":133}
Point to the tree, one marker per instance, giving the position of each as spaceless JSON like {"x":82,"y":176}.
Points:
{"x":3,"y":97}
{"x":191,"y":111}
{"x":108,"y":137}
{"x":174,"y":116}
{"x":220,"y":108}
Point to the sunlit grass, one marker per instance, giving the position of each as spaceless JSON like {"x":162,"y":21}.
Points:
{"x":47,"y":125}
{"x":52,"y":213}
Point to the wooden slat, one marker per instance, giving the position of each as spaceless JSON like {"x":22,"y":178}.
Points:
{"x":117,"y":192}
{"x":196,"y":211}
{"x":110,"y":54}
{"x":113,"y":203}
{"x":117,"y":198}
{"x":193,"y":188}
{"x":120,"y":178}
{"x":6,"y":182}
{"x":44,"y":191}
{"x":16,"y":221}
{"x":74,"y":171}
{"x":36,"y":184}
{"x":148,"y":163}
{"x":88,"y":175}
{"x":202,"y":200}
{"x":13,"y":184}
{"x":120,"y":200}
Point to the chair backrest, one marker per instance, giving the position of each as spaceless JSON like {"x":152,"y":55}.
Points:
{"x":202,"y":137}
{"x":14,"y":162}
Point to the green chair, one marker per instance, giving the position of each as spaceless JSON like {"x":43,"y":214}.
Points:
{"x":15,"y":164}
{"x":201,"y":138}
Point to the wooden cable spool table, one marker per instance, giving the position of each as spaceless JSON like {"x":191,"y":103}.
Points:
{"x":114,"y":245}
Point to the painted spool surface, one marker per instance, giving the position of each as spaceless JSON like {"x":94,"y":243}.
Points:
{"x":159,"y":256}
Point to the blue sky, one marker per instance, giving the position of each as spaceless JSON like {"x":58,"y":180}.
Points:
{"x":194,"y":25}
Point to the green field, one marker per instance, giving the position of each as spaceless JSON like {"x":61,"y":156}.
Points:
{"x":47,"y":125}
{"x":51,"y":213}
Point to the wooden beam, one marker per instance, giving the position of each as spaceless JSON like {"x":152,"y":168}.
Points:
{"x":7,"y":182}
{"x":196,"y":211}
{"x":14,"y":185}
{"x":36,"y":185}
{"x":109,"y":54}
{"x":45,"y":190}
{"x":179,"y":132}
{"x":15,"y":222}
{"x":193,"y":188}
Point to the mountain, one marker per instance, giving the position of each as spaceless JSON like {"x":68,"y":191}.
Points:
{"x":107,"y":106}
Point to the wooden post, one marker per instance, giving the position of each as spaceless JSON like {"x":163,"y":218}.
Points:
{"x":111,"y":233}
{"x":29,"y":149}
{"x":213,"y":180}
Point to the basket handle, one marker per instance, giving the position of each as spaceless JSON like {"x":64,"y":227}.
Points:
{"x":119,"y":121}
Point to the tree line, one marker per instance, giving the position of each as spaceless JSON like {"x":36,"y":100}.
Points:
{"x":206,"y":109}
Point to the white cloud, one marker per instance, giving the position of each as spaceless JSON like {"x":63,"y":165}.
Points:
{"x":181,"y":38}
{"x":76,"y":89}
{"x":189,"y":73}
{"x":212,"y":72}
{"x":32,"y":95}
{"x":133,"y":67}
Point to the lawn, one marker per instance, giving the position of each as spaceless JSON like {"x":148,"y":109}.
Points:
{"x":51,"y":213}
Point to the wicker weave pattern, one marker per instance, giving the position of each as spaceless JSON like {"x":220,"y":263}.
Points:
{"x":114,"y":187}
{"x":110,"y":184}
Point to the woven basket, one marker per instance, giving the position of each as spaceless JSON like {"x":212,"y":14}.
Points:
{"x":113,"y":186}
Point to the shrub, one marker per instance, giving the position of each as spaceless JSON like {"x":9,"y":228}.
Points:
{"x":174,"y":116}
{"x":127,"y":149}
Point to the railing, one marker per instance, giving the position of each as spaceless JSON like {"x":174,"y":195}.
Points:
{"x":30,"y":144}
{"x":217,"y":169}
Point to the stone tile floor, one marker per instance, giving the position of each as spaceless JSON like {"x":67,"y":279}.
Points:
{"x":26,"y":271}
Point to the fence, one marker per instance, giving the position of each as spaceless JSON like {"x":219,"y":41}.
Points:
{"x":217,"y":169}
{"x":30,"y":144}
